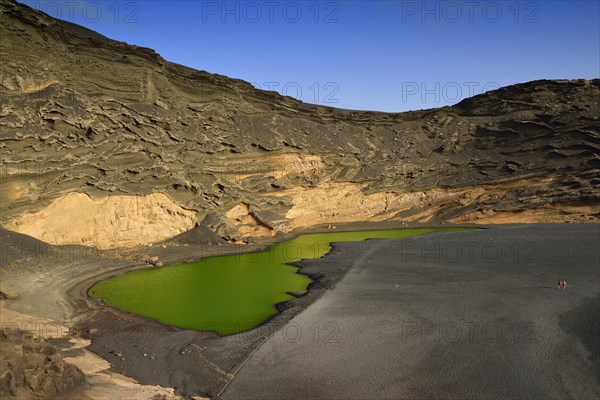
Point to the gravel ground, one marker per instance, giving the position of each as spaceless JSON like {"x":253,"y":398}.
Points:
{"x":449,"y":316}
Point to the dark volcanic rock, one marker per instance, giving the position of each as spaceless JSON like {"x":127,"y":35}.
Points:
{"x":80,"y":112}
{"x":32,"y":369}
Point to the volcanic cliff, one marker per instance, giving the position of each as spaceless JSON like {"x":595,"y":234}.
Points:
{"x":107,"y":144}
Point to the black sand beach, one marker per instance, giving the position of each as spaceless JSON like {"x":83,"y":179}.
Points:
{"x":449,"y":315}
{"x":415,"y":318}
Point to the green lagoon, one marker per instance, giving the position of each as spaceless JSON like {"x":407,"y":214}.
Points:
{"x":227,"y":294}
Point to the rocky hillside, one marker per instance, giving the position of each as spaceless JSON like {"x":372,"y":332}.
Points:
{"x":31,"y":368}
{"x":152,"y":148}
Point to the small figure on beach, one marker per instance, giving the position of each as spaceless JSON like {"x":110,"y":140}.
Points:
{"x":561,"y":284}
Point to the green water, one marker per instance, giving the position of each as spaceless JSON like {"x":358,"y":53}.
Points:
{"x":227,"y":294}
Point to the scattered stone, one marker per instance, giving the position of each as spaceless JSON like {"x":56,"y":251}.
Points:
{"x":8,"y":294}
{"x":161,"y":104}
{"x":31,"y":368}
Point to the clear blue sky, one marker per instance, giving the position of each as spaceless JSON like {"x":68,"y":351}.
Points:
{"x":369,"y":55}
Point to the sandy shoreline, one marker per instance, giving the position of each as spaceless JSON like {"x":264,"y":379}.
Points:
{"x":191,"y":363}
{"x":64,"y":274}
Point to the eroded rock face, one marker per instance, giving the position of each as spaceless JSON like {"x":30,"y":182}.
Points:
{"x":33,"y":369}
{"x":81,"y":113}
{"x":106,"y":222}
{"x":247,"y":223}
